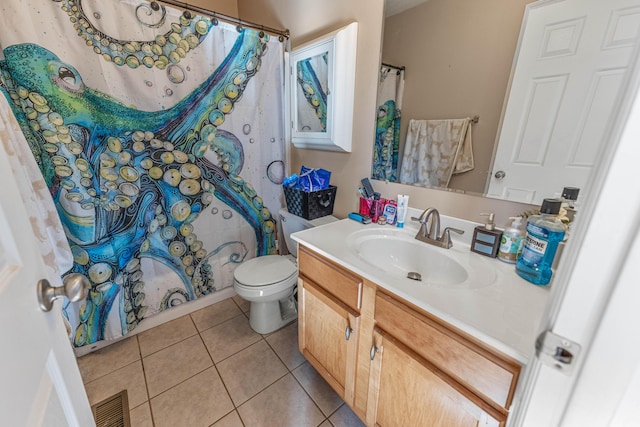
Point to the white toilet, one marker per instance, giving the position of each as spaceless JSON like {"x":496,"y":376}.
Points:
{"x":269,"y":282}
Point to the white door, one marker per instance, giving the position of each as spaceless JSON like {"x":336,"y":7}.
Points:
{"x":569,"y":70}
{"x":40,"y":383}
{"x":596,"y":294}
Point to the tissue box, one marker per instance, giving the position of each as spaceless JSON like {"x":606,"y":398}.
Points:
{"x":310,"y":205}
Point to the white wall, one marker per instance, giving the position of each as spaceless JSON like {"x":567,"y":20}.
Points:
{"x":225,"y":7}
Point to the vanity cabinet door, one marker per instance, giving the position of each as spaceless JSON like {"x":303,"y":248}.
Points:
{"x":328,"y":332}
{"x":407,"y":390}
{"x":482,"y":370}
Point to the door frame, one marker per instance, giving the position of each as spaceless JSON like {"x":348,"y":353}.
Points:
{"x":588,"y":284}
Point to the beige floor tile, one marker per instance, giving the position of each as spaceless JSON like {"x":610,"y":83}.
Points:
{"x":242,"y":303}
{"x":319,"y":390}
{"x":344,"y":417}
{"x":131,"y":378}
{"x":229,"y":337}
{"x":198,"y":401}
{"x":283,"y":404}
{"x":215,"y":314}
{"x":174,"y":364}
{"x":141,"y":416}
{"x":250,"y":371}
{"x":231,"y":420}
{"x":167,"y":334}
{"x":108,"y":359}
{"x":285,"y":343}
{"x":326,"y":423}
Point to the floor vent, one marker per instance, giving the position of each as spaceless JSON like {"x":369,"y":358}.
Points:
{"x":113,"y":411}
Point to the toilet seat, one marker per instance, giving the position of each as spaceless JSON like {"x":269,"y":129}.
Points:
{"x":266,"y":272}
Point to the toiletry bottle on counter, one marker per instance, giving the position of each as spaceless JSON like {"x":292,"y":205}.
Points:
{"x":511,"y":241}
{"x":486,"y":239}
{"x":544,"y":233}
{"x":403,"y":206}
{"x":570,"y":200}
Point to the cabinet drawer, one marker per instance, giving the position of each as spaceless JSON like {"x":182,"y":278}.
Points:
{"x":484,"y":371}
{"x":339,"y":282}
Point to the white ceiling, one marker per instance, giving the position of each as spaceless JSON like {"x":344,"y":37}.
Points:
{"x":393,"y":7}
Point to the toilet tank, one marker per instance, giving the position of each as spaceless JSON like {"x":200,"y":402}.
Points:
{"x":292,"y":223}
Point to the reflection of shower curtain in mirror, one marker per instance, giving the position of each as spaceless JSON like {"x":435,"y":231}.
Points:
{"x":160,"y":137}
{"x":313,"y":82}
{"x":385,"y":152}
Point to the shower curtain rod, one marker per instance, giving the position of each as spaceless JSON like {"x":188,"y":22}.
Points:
{"x":401,"y":68}
{"x":213,"y":14}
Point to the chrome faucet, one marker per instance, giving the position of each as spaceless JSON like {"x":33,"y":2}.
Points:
{"x":430,"y":230}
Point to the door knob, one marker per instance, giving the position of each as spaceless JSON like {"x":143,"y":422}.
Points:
{"x":74,"y":287}
{"x":500,"y":174}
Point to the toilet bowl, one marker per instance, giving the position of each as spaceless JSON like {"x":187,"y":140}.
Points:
{"x":269,"y":282}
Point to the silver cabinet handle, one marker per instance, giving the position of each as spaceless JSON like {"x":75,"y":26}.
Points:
{"x":373,"y":352}
{"x":348,"y":332}
{"x":500,"y":174}
{"x":74,"y":287}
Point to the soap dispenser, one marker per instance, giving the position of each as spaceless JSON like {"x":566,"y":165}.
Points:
{"x":486,"y":238}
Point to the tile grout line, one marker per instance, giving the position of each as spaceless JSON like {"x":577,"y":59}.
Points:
{"x":215,"y":366}
{"x":289,"y":371}
{"x":181,"y":382}
{"x":146,"y":385}
{"x":294,"y":377}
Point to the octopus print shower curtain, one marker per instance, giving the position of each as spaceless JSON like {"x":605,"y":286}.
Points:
{"x":385,"y":150}
{"x":159,"y":134}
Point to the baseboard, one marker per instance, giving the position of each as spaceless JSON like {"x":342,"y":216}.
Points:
{"x":162,"y":317}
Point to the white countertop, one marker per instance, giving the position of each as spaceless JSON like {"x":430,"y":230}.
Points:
{"x":506,"y":314}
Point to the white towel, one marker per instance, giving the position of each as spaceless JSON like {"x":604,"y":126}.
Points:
{"x":434,"y":150}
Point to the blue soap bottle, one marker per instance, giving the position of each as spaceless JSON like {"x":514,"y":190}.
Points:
{"x":544,"y":233}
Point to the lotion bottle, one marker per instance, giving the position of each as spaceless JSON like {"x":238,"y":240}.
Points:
{"x":511,"y":241}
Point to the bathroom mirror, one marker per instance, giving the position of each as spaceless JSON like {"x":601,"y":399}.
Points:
{"x":458,"y":57}
{"x":322,"y":82}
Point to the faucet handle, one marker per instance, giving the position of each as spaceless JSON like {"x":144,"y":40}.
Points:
{"x":420,"y":220}
{"x":446,"y":236}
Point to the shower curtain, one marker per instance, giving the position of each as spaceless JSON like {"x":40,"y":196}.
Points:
{"x":159,"y":135}
{"x":385,"y":152}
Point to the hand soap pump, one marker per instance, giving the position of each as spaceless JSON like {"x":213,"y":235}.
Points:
{"x":486,"y":239}
{"x":512,"y":241}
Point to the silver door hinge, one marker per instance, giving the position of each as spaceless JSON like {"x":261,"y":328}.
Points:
{"x":556,"y":351}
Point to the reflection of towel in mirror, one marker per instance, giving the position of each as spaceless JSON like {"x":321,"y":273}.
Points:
{"x":434,"y":150}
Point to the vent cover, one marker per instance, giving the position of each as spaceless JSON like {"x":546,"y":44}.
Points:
{"x":113,"y":411}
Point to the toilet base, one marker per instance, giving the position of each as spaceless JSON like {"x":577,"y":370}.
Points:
{"x":266,"y":317}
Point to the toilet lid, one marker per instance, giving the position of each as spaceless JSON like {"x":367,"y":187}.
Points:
{"x":265,"y":270}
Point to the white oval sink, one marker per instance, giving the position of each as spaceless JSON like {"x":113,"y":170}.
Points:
{"x":396,"y":252}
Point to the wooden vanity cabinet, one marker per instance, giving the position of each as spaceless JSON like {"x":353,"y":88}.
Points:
{"x":393,"y":363}
{"x":329,"y":302}
{"x":407,"y":390}
{"x":424,"y":372}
